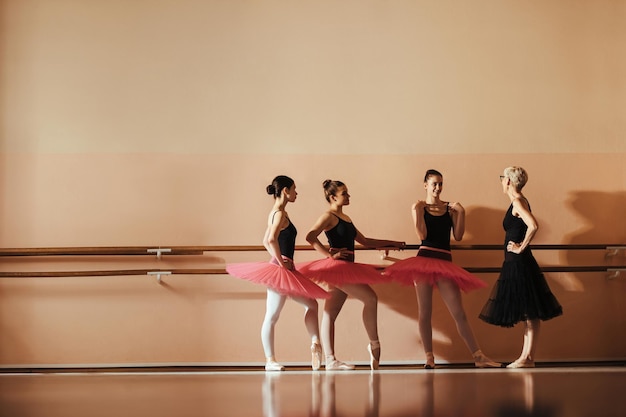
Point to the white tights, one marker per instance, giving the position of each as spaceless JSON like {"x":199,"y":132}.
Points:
{"x":274,"y":305}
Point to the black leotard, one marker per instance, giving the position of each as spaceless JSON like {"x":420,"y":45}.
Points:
{"x":342,"y":235}
{"x":437,"y":230}
{"x":287,"y":240}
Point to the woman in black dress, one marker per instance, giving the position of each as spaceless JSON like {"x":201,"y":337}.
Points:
{"x":521,"y":292}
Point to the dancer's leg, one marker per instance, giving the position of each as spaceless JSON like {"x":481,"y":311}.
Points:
{"x":332,"y":307}
{"x":531,"y":335}
{"x":424,"y":294}
{"x":273,"y":306}
{"x":368,"y":297}
{"x":451,"y":295}
{"x":311,"y":317}
{"x":311,"y":321}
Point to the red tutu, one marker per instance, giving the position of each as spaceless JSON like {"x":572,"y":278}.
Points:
{"x":336,"y":272}
{"x":280,"y":279}
{"x":431,"y":270}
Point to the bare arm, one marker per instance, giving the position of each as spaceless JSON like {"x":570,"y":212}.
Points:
{"x":323,"y":223}
{"x":458,"y":220}
{"x":377,"y":243}
{"x":520,"y":209}
{"x":417,"y":210}
{"x":270,"y":239}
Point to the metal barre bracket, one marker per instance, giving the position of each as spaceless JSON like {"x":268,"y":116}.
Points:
{"x":613,"y":250}
{"x":159,"y":251}
{"x":159,"y":273}
{"x":614,"y":273}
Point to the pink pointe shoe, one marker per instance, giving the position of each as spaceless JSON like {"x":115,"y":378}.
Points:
{"x":316,"y":356}
{"x":482,"y":361}
{"x":272,"y":366}
{"x":521,"y":363}
{"x":335,"y":365}
{"x":374,"y":350}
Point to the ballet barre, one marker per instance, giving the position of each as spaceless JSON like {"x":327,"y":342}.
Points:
{"x":613,"y":250}
{"x":614,"y":271}
{"x":102,"y":251}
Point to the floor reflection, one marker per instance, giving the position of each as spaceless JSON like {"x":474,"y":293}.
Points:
{"x":497,"y":393}
{"x":540,"y":392}
{"x":323,"y":395}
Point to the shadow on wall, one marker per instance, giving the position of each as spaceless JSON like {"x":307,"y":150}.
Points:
{"x":602,"y":217}
{"x":591,"y":297}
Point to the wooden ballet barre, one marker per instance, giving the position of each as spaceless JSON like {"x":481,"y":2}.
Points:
{"x":535,"y":247}
{"x":582,"y":268}
{"x":199,"y":250}
{"x":222,"y":271}
{"x":110,"y":273}
{"x":97,"y":251}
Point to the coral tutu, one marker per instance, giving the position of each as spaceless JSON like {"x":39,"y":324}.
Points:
{"x":336,"y":272}
{"x":430,"y":266}
{"x":279,"y":279}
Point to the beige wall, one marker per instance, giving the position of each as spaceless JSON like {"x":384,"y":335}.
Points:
{"x":160,"y":123}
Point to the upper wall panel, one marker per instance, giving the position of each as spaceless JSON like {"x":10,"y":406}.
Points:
{"x":307,"y":77}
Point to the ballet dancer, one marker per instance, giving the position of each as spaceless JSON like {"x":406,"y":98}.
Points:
{"x":434,"y":221}
{"x":280,"y":276}
{"x":343,"y":276}
{"x":521,"y":292}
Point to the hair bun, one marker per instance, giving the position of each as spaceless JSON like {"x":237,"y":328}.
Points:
{"x":271,"y":190}
{"x":326,"y":183}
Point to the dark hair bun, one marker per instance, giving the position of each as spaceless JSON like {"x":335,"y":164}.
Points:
{"x":271,"y":190}
{"x":326,"y":183}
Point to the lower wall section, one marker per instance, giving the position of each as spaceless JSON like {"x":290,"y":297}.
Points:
{"x":216,"y":320}
{"x":124,"y":200}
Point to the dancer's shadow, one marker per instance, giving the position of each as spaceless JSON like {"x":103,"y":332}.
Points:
{"x":601,"y":221}
{"x":594,"y":297}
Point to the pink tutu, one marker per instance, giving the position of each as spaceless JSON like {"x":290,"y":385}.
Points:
{"x":280,"y":279}
{"x":336,"y":272}
{"x":430,"y":270}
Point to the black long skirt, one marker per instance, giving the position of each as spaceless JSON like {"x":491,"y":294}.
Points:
{"x":521,"y":293}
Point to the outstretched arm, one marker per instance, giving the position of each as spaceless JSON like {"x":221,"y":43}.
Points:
{"x":377,"y":243}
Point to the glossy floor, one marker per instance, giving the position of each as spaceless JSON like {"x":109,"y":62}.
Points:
{"x":548,"y":392}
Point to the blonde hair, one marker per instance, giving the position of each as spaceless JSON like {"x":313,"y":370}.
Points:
{"x":517,"y":175}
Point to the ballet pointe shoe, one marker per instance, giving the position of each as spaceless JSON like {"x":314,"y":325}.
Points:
{"x":482,"y":361}
{"x":521,"y":363}
{"x":316,"y":356}
{"x":272,"y":365}
{"x":374,"y":350}
{"x":333,"y":364}
{"x":430,"y":361}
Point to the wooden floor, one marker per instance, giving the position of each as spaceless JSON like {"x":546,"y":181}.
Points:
{"x":559,"y":391}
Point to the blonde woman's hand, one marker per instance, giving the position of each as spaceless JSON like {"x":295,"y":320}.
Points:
{"x":514,"y":247}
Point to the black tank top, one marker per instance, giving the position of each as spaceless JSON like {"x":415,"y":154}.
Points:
{"x":437,"y":230}
{"x":342,"y":235}
{"x":515,"y":230}
{"x":287,"y":240}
